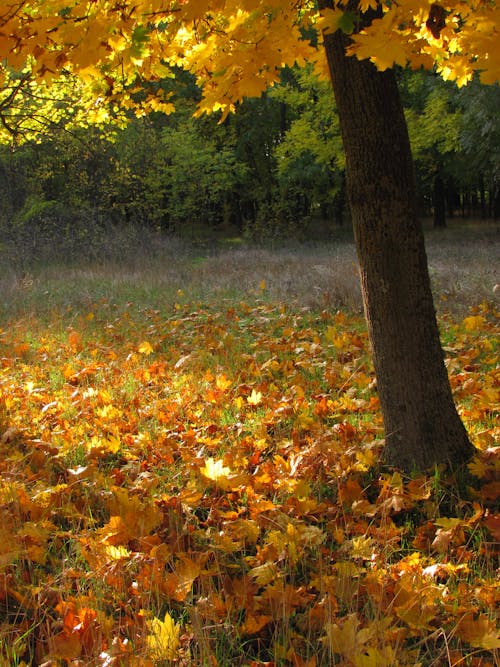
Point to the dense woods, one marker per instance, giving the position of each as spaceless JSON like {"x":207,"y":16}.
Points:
{"x":273,"y":171}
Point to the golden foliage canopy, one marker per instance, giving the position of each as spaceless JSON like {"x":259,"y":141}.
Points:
{"x":234,"y":48}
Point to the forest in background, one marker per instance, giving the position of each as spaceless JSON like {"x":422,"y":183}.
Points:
{"x":270,"y":173}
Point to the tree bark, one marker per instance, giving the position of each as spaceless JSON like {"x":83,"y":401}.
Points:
{"x":422,"y":426}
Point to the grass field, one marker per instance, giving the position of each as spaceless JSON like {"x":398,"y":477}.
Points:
{"x":189,"y":459}
{"x":463,"y":265}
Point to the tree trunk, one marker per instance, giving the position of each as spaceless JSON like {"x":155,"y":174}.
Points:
{"x":496,"y":200}
{"x":439,"y":199}
{"x":422,"y":427}
{"x":452,"y":198}
{"x":482,"y":197}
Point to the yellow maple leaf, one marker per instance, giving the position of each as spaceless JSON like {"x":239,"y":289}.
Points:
{"x":375,"y":657}
{"x":448,"y":523}
{"x":109,"y":413}
{"x":254,"y":624}
{"x":163,"y":638}
{"x":246,"y":530}
{"x":102,"y":446}
{"x":131,"y":518}
{"x":265,"y":573}
{"x":343,"y":639}
{"x":178,"y":584}
{"x":10,"y":546}
{"x":116,"y":553}
{"x":329,"y":20}
{"x":255,"y":398}
{"x":477,"y":467}
{"x":474,"y":322}
{"x":215,"y":470}
{"x":480,"y":632}
{"x":365,"y":5}
{"x":145,"y":348}
{"x":222,"y":382}
{"x":362,"y":547}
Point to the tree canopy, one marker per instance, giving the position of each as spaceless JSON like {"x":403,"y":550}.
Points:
{"x":235,"y":49}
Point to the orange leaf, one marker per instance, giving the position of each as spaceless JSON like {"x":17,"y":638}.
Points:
{"x":298,"y":661}
{"x":21,"y":349}
{"x":492,"y":523}
{"x":254,"y":624}
{"x":178,"y":584}
{"x":480,"y":632}
{"x":75,"y":341}
{"x":65,"y":646}
{"x":350,"y":491}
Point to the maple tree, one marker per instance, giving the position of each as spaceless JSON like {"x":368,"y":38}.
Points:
{"x":200,"y":485}
{"x":237,"y":49}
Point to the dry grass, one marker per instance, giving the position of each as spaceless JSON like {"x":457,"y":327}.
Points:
{"x":464,"y":265}
{"x":462,"y":262}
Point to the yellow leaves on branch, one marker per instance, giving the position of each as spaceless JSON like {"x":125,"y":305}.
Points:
{"x":237,"y":49}
{"x":458,"y":38}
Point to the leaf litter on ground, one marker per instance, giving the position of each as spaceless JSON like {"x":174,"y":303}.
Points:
{"x":202,"y":486}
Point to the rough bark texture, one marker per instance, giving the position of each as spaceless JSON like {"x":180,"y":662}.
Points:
{"x":422,"y":427}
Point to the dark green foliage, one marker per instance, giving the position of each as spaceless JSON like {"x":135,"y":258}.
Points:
{"x":455,"y":136}
{"x":273,"y":171}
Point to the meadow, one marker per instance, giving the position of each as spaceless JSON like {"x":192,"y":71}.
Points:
{"x":190,"y":465}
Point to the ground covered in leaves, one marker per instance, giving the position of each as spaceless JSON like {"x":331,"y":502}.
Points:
{"x":201,"y":486}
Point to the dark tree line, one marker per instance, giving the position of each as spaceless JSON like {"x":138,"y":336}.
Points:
{"x":273,"y":170}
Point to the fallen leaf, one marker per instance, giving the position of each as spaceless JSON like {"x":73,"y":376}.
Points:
{"x":162,"y":640}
